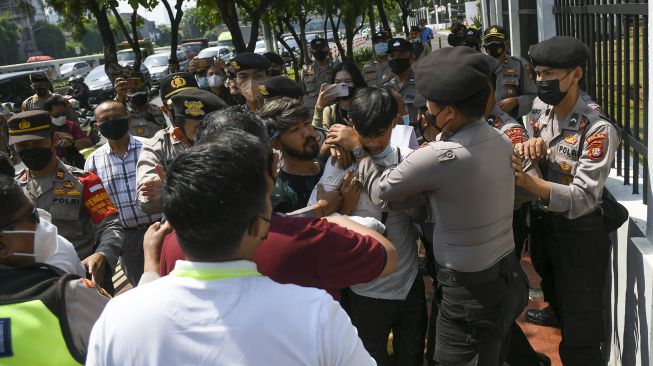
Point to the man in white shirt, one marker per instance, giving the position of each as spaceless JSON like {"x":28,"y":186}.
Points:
{"x":215,"y":308}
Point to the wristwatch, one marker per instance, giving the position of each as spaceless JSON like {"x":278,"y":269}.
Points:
{"x":358,"y":151}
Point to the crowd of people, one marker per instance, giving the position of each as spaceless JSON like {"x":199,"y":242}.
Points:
{"x":266,"y":221}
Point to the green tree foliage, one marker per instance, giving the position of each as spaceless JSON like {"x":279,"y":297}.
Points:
{"x":164,"y":36}
{"x":49,"y":39}
{"x":9,"y":38}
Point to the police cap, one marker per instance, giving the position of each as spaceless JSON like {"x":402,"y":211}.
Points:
{"x":451,"y":75}
{"x":280,"y":86}
{"x":37,"y":77}
{"x":472,"y":33}
{"x":319,"y":43}
{"x":495,"y":32}
{"x":249,"y":61}
{"x":273,"y":58}
{"x":399,"y":44}
{"x":195,"y":103}
{"x":30,"y":125}
{"x":174,"y":83}
{"x":559,"y":52}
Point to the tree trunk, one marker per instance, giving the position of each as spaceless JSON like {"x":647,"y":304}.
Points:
{"x":336,"y":37}
{"x":175,"y":20}
{"x":291,"y":52}
{"x":138,"y":55}
{"x":404,"y":16}
{"x":371,"y":18}
{"x":384,"y":17}
{"x":286,"y":21}
{"x":111,"y":66}
{"x":230,"y":17}
{"x":301,"y":17}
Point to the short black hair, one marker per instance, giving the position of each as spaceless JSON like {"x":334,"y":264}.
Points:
{"x":350,"y":67}
{"x":212,"y":193}
{"x":6,"y":166}
{"x":231,"y":118}
{"x":281,"y":113}
{"x":11,"y":198}
{"x":372,"y":110}
{"x":52,"y":101}
{"x":474,"y":106}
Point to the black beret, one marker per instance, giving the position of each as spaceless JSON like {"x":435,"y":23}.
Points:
{"x":38,"y":77}
{"x":472,"y":33}
{"x":280,"y":86}
{"x":495,"y":31}
{"x":318,"y":43}
{"x":419,"y":101}
{"x":195,"y":103}
{"x":492,"y":63}
{"x":559,"y":52}
{"x":30,"y":125}
{"x":399,"y":44}
{"x":174,"y":83}
{"x":249,"y":61}
{"x":379,"y":36}
{"x":451,"y":75}
{"x":273,"y":58}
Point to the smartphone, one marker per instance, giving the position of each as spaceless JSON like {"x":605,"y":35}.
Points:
{"x":204,"y":63}
{"x":134,"y":83}
{"x":342,"y":90}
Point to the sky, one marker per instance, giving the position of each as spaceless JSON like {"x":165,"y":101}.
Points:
{"x":159,"y":14}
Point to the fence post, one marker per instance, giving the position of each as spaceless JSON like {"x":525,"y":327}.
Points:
{"x":515,"y":36}
{"x":546,"y":23}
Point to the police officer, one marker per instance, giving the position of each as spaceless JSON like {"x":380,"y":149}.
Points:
{"x":170,"y":85}
{"x":251,"y":69}
{"x":515,"y":89}
{"x":280,"y":86}
{"x":277,"y":66}
{"x":419,"y":49}
{"x":377,"y":71}
{"x":316,"y":73}
{"x":80,"y":207}
{"x":481,"y":286}
{"x":188,"y":107}
{"x":146,"y":118}
{"x":574,"y":147}
{"x":401,"y":57}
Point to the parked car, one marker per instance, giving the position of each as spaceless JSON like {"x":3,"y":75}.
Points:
{"x":219,"y":51}
{"x":74,"y":68}
{"x":157,"y":64}
{"x":101,"y":88}
{"x":260,"y":47}
{"x":193,"y":46}
{"x":127,"y":57}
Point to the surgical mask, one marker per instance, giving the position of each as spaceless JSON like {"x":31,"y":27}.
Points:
{"x":381,"y":48}
{"x":45,"y":241}
{"x":215,"y":81}
{"x":495,"y":49}
{"x":36,"y":158}
{"x":138,"y":99}
{"x":399,"y":65}
{"x":202,"y":82}
{"x":114,"y":129}
{"x":380,"y":158}
{"x":59,"y":121}
{"x":320,"y":55}
{"x":549,"y":91}
{"x":406,"y":119}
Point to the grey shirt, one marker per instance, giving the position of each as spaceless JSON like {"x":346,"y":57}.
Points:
{"x":468,"y":181}
{"x":514,"y":79}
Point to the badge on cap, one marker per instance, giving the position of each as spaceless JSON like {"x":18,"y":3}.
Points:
{"x":194,"y":108}
{"x":24,"y":124}
{"x":235,"y":65}
{"x":177,"y":82}
{"x":263,"y":90}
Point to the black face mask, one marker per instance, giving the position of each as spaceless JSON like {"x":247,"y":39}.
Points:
{"x":399,"y":65}
{"x":138,"y":100}
{"x":549,"y":91}
{"x":114,"y":129}
{"x":495,"y":49}
{"x":275,"y":72}
{"x":320,"y":55}
{"x":36,"y":158}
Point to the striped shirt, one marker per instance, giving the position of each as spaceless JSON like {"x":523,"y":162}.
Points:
{"x":119,"y":177}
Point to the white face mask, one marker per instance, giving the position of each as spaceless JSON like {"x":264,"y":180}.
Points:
{"x":215,"y":81}
{"x":59,"y":121}
{"x":45,"y":241}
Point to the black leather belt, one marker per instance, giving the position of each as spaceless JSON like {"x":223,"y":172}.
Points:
{"x":470,"y":279}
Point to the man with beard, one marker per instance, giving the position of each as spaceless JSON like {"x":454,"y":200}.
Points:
{"x":401,"y":57}
{"x":80,"y":207}
{"x":317,"y":73}
{"x":250,"y":68}
{"x":146,"y":118}
{"x":292,"y":133}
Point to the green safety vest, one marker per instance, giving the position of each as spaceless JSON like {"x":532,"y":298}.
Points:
{"x":33,"y":323}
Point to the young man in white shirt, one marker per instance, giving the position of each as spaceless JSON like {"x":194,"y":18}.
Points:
{"x":215,"y":308}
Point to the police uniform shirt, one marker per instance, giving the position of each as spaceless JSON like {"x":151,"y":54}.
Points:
{"x":146,"y":122}
{"x":577,"y":177}
{"x":514,"y":79}
{"x":468,"y":182}
{"x":376,"y":73}
{"x":408,"y":92}
{"x":312,"y":78}
{"x":507,"y":125}
{"x":159,"y":150}
{"x":80,"y":208}
{"x":195,"y":317}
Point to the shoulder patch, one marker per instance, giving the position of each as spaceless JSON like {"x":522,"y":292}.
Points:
{"x":516,"y":135}
{"x":96,"y":199}
{"x":446,"y":155}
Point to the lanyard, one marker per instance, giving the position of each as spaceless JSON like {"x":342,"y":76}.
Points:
{"x":209,"y":274}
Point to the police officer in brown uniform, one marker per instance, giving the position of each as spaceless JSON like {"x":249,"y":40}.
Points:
{"x":377,"y":71}
{"x":574,"y":147}
{"x":515,"y":89}
{"x":316,"y":73}
{"x":188,"y":109}
{"x":146,"y":118}
{"x":80,"y":207}
{"x":401,"y":58}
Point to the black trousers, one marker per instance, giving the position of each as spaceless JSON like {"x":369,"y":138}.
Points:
{"x":375,"y":318}
{"x":131,"y":259}
{"x":474,"y":323}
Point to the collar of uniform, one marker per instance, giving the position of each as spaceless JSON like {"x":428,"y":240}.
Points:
{"x":205,"y":270}
{"x":131,"y":146}
{"x":572,"y":120}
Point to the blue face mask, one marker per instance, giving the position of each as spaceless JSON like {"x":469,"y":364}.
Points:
{"x":406,"y":119}
{"x":203,"y":83}
{"x":381,"y":48}
{"x":379,"y":158}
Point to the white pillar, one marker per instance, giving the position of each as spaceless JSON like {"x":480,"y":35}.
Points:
{"x":492,"y":12}
{"x":515,"y":37}
{"x":484,"y":14}
{"x":498,"y":8}
{"x":449,"y":9}
{"x":649,"y":207}
{"x":546,"y":22}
